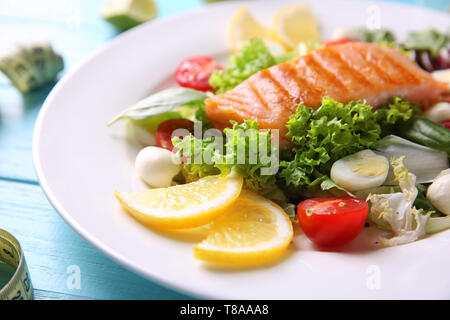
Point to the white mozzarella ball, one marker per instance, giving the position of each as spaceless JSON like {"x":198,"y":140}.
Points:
{"x":156,"y":166}
{"x":442,"y":75}
{"x":439,"y":112}
{"x":362,"y":170}
{"x":438,"y":193}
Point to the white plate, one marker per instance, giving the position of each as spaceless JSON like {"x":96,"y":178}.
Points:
{"x":80,"y":162}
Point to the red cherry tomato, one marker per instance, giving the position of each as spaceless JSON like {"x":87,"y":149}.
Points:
{"x":195,"y":72}
{"x":446,"y":97}
{"x":339,"y":41}
{"x":165,"y":129}
{"x":446,"y":123}
{"x":332,"y":221}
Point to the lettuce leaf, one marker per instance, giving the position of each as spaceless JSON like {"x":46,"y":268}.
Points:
{"x":209,"y":156}
{"x":324,"y":136}
{"x":374,"y":36}
{"x":161,"y":102}
{"x":395,"y":211}
{"x":429,"y":40}
{"x":254,"y":57}
{"x":396,"y":110}
{"x":302,"y":49}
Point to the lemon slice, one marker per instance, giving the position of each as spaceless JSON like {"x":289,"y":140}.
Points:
{"x":183,"y":206}
{"x":253,"y":231}
{"x":125,"y":14}
{"x":294,"y":24}
{"x":243,"y":27}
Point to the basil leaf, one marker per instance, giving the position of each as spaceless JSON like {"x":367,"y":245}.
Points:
{"x":159,"y":103}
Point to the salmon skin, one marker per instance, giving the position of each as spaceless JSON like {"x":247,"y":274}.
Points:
{"x":347,"y":72}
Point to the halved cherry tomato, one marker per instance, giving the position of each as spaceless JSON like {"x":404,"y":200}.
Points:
{"x":339,"y":41}
{"x":332,"y":221}
{"x":446,"y":123}
{"x":446,"y":97}
{"x":195,"y":72}
{"x":165,"y":129}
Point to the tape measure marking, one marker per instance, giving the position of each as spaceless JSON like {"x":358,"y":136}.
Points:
{"x":19,"y":286}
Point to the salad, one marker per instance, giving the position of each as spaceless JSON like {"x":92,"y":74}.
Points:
{"x":276,"y":139}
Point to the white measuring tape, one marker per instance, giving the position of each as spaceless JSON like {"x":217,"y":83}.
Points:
{"x":19,"y":286}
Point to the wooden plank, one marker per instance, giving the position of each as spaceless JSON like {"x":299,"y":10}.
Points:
{"x":18,"y":112}
{"x":18,"y":115}
{"x":65,"y":11}
{"x":18,"y":22}
{"x":51,"y":248}
{"x":49,"y":295}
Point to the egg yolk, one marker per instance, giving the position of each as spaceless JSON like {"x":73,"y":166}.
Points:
{"x":368,"y":166}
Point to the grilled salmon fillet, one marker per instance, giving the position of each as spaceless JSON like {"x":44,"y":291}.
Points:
{"x":352,"y":71}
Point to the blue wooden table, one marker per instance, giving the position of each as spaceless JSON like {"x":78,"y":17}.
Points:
{"x":54,"y":252}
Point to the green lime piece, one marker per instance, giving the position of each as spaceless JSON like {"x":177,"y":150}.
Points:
{"x":126,"y":14}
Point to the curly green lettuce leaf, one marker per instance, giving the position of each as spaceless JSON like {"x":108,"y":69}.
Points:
{"x":253,"y":57}
{"x":238,"y":153}
{"x":396,"y":211}
{"x":250,"y":164}
{"x":326,"y":135}
{"x":302,"y":49}
{"x":191,"y":150}
{"x":395,"y":111}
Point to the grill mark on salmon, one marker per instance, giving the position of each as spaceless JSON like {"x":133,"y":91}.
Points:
{"x":352,"y":71}
{"x":313,"y":79}
{"x":231,"y":99}
{"x":403,"y":73}
{"x":382,"y":74}
{"x":258,"y":95}
{"x":268,"y":74}
{"x":312,"y":62}
{"x":302,"y":73}
{"x":361,"y":65}
{"x":298,"y":88}
{"x":345,"y":71}
{"x":275,"y":96}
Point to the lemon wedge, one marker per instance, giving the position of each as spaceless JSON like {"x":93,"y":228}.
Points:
{"x":183,"y":206}
{"x":253,"y":231}
{"x":125,"y":14}
{"x":294,"y":24}
{"x":243,"y":27}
